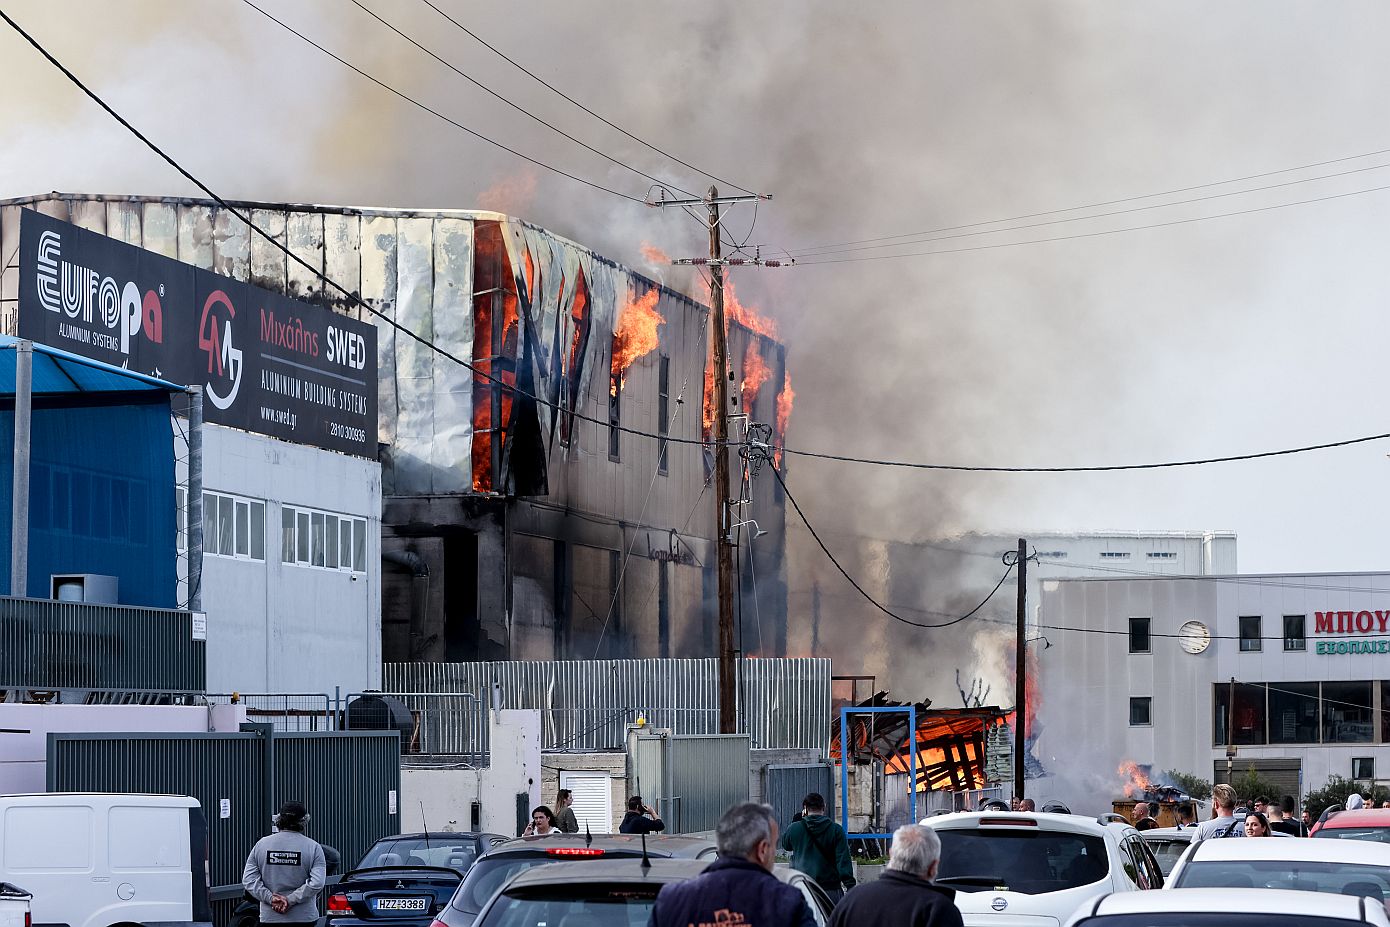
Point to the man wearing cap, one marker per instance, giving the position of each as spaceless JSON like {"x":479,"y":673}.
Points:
{"x":285,"y":871}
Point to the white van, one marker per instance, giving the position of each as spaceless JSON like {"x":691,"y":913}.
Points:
{"x":96,"y":860}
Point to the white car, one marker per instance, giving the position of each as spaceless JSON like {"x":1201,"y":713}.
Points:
{"x":1038,"y":868}
{"x":14,"y":906}
{"x":1339,"y":867}
{"x":1228,"y":907}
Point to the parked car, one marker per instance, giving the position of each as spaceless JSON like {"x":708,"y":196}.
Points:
{"x":14,"y":906}
{"x":1345,"y":867}
{"x":1365,"y":824}
{"x":610,"y":891}
{"x":505,"y":860}
{"x":1036,"y":865}
{"x":1227,"y":907}
{"x":95,"y":860}
{"x":405,"y":880}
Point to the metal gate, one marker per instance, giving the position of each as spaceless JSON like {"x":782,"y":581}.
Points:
{"x":691,"y":779}
{"x":785,"y":786}
{"x":349,"y":781}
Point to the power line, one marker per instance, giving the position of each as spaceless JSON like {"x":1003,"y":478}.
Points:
{"x":409,"y":99}
{"x":1099,"y":215}
{"x":1131,"y":228}
{"x":1125,"y":199}
{"x":962,"y":468}
{"x":520,"y":109}
{"x":860,"y":589}
{"x":556,"y":90}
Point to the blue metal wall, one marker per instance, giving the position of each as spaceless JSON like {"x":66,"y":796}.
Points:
{"x":101,"y":498}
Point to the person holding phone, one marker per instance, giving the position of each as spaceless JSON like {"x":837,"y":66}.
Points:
{"x":640,"y":818}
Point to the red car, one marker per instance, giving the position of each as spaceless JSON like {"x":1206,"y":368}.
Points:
{"x":1362,"y":824}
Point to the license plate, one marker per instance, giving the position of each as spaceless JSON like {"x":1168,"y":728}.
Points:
{"x":400,"y":904}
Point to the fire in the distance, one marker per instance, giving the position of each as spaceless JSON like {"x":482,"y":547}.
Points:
{"x":635,"y":336}
{"x":1139,"y":785}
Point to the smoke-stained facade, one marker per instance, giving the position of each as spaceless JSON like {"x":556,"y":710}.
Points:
{"x":514,"y":528}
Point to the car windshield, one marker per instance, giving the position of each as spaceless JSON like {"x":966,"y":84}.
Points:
{"x":417,"y":851}
{"x":1210,"y":919}
{"x":1167,"y":851}
{"x":1381,"y":834}
{"x":1028,"y":861}
{"x":1297,"y":875}
{"x":584,"y":905}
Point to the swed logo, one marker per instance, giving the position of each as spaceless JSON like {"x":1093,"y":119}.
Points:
{"x":110,"y":314}
{"x":224,"y":360}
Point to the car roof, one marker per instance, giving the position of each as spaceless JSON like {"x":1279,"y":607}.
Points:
{"x":1072,"y":823}
{"x":1244,"y":900}
{"x":626,"y":871}
{"x":657,"y":844}
{"x":1263,"y":848}
{"x":441,"y":835}
{"x":1363,"y":817}
{"x":1168,"y":833}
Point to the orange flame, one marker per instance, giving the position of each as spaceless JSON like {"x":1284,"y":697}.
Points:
{"x":709,"y":398}
{"x":1137,"y":781}
{"x":784,"y":415}
{"x":492,"y":358}
{"x":635,"y":335}
{"x":654,"y":255}
{"x":755,"y":374}
{"x":512,"y":194}
{"x":737,"y":313}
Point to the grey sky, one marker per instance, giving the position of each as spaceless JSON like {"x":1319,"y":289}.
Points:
{"x":1225,"y":336}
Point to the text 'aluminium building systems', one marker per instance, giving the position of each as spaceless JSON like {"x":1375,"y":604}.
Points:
{"x":511,"y":528}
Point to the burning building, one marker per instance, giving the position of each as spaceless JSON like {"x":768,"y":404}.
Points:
{"x":520,"y":520}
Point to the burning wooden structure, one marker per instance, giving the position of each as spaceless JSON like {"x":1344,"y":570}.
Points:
{"x":950,"y":743}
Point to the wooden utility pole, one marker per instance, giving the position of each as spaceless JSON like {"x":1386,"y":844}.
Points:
{"x":1021,"y":669}
{"x":719,"y":361}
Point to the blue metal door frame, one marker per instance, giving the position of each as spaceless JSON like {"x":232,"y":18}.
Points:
{"x":911,"y":712}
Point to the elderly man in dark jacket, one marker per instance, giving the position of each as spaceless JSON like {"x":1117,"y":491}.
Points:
{"x":904,"y":896}
{"x":738,"y":887}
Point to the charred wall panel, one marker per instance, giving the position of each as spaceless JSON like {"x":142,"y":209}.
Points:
{"x":534,"y":628}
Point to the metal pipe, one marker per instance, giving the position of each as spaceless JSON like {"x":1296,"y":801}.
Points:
{"x":195,"y":498}
{"x":19,"y":513}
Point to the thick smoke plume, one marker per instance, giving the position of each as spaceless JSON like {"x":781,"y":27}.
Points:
{"x":863,"y":122}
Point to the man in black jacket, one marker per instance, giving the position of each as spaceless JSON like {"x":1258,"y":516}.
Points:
{"x":819,"y":848}
{"x":904,"y":896}
{"x":738,"y":887}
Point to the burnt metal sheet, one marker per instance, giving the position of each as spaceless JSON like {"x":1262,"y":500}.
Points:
{"x":379,"y":289}
{"x":452,"y":445}
{"x":231,"y":245}
{"x":123,"y":221}
{"x":195,"y":236}
{"x":304,"y":236}
{"x":267,"y":260}
{"x":89,"y":214}
{"x":161,"y":227}
{"x":342,"y":236}
{"x":413,"y":452}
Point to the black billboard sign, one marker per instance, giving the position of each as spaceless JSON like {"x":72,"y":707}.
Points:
{"x":267,"y":363}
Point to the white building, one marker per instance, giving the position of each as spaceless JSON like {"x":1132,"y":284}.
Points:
{"x":1142,"y":670}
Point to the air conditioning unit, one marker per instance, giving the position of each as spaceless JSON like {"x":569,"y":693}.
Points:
{"x":85,"y":587}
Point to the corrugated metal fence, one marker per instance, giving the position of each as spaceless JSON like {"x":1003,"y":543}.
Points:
{"x":785,"y":786}
{"x":588,"y":704}
{"x":349,"y":781}
{"x":46,"y":644}
{"x":709,"y":772}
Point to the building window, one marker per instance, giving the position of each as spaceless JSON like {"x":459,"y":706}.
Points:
{"x":1052,"y":554}
{"x":663,"y":409}
{"x":1139,"y":635}
{"x":1295,"y":628}
{"x":1293,"y":713}
{"x":1245,"y":725}
{"x":233,"y":526}
{"x":326,"y":540}
{"x":1363,"y":768}
{"x":1162,"y":555}
{"x":1114,"y":555}
{"x":1347,"y":713}
{"x":615,"y":415}
{"x":663,"y":609}
{"x":1250,"y":633}
{"x":1141,"y":711}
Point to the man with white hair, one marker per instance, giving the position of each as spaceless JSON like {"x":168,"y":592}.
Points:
{"x":738,"y":887}
{"x":904,"y":896}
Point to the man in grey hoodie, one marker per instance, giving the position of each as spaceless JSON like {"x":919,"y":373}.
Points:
{"x":285,"y":871}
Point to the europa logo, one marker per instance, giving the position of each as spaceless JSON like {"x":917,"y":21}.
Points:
{"x":111,"y":314}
